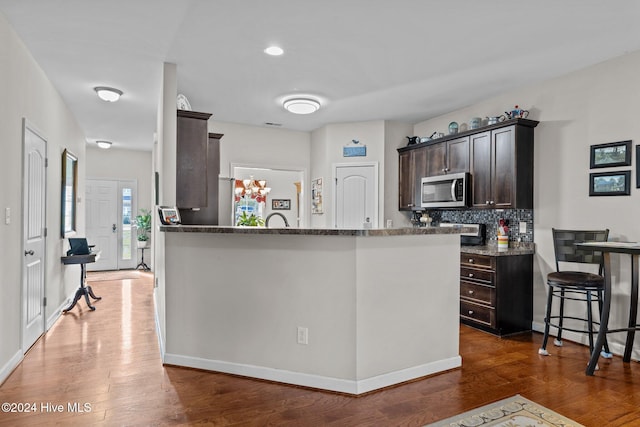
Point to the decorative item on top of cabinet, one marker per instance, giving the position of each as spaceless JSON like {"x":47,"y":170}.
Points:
{"x":496,"y":292}
{"x":191,"y":159}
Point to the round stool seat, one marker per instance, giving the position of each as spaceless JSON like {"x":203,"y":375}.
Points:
{"x":575,"y":279}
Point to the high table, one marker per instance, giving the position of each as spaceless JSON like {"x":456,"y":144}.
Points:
{"x":633,"y":249}
{"x":83,"y":260}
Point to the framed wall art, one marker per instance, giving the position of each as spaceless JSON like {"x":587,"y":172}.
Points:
{"x":637,"y":166}
{"x":610,"y":183}
{"x":281,"y":204}
{"x":69,"y":192}
{"x":611,"y":154}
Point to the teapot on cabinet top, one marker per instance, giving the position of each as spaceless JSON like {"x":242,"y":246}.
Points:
{"x":517,"y":112}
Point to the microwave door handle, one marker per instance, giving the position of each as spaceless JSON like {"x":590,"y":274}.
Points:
{"x":453,"y":189}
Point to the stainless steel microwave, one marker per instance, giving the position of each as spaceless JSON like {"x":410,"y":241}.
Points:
{"x":445,"y":191}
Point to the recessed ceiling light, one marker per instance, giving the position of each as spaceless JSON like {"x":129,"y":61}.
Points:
{"x":301,"y":105}
{"x":104,"y":144}
{"x":108,"y":94}
{"x":274,"y":51}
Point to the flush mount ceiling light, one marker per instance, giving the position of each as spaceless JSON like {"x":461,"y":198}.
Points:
{"x":301,"y":105}
{"x":274,"y":51}
{"x":108,"y":94}
{"x":104,"y":144}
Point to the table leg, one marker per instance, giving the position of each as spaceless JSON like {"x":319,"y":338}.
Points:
{"x":633,"y":310}
{"x":83,"y":290}
{"x":604,"y":316}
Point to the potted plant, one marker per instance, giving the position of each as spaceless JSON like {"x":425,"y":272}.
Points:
{"x":143,"y":224}
{"x":250,"y":220}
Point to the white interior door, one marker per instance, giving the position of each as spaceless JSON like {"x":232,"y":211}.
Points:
{"x":356,"y":200}
{"x":110,"y":207}
{"x":34,"y":235}
{"x":102,"y":222}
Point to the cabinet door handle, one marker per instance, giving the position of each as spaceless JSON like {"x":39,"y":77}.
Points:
{"x":486,"y":202}
{"x":470,"y":312}
{"x":471,"y":260}
{"x":470,"y":292}
{"x":470,"y":274}
{"x":492,"y":202}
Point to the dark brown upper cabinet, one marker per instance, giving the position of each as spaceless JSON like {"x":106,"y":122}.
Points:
{"x":502,"y":168}
{"x":191,"y":159}
{"x":499,"y":158}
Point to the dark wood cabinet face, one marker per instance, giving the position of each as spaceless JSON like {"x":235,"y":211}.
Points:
{"x":191,"y":159}
{"x":496,"y":292}
{"x":458,"y":155}
{"x":436,"y":159}
{"x":405,"y":180}
{"x":481,"y":169}
{"x":503,"y":167}
{"x":413,"y":166}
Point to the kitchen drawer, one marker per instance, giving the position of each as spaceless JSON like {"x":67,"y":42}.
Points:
{"x":485,"y":276}
{"x":480,"y":293}
{"x":477,"y":260}
{"x":477,"y":313}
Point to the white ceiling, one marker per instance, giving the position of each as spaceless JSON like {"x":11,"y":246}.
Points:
{"x":405,"y":60}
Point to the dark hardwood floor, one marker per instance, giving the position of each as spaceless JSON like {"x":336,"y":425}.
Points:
{"x":109,"y":360}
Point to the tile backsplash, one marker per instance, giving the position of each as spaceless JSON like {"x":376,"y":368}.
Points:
{"x":490,"y":217}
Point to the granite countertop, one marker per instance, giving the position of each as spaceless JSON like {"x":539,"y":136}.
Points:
{"x":491,"y":249}
{"x":408,"y":231}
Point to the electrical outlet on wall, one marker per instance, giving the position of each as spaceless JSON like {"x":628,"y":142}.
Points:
{"x":303,"y":335}
{"x":523,"y":227}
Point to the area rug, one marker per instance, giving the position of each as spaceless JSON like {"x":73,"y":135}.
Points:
{"x":102,"y":276}
{"x":515,"y":411}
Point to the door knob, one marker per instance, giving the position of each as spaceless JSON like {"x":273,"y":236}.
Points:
{"x":113,"y":227}
{"x":28,"y":252}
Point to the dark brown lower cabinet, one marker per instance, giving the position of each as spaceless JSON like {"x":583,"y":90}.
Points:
{"x":496,"y":292}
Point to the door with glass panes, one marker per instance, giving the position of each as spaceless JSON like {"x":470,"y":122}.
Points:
{"x":110,"y":215}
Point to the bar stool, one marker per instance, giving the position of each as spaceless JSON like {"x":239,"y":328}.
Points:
{"x":574,"y":285}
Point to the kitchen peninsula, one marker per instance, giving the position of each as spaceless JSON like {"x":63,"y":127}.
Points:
{"x":342,"y":310}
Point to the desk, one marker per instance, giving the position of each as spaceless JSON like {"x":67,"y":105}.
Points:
{"x":633,"y":249}
{"x":83,"y":290}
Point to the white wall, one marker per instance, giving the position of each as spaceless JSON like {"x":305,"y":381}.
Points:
{"x":256,"y":146}
{"x":591,"y":106}
{"x":26,"y":92}
{"x":327,"y":143}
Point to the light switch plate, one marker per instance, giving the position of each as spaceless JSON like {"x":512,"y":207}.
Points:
{"x":523,"y":227}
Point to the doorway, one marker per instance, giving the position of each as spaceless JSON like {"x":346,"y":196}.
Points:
{"x":110,"y":207}
{"x":34,"y":190}
{"x":285,"y":196}
{"x":356,"y":195}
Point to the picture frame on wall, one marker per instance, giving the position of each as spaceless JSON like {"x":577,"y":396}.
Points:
{"x":637,"y":166}
{"x":610,"y":183}
{"x":611,"y":154}
{"x":281,"y":204}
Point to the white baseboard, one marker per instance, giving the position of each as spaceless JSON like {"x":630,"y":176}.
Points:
{"x":51,"y":320}
{"x":158,"y":329}
{"x":615,"y":348}
{"x":315,"y":381}
{"x":10,"y":366}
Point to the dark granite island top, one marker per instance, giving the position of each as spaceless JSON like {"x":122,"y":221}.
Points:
{"x":312,"y":231}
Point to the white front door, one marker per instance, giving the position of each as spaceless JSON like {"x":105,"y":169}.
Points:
{"x":109,"y":214}
{"x":34,"y":234}
{"x":356,"y":200}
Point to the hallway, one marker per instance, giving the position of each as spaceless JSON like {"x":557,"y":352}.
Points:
{"x":104,"y":368}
